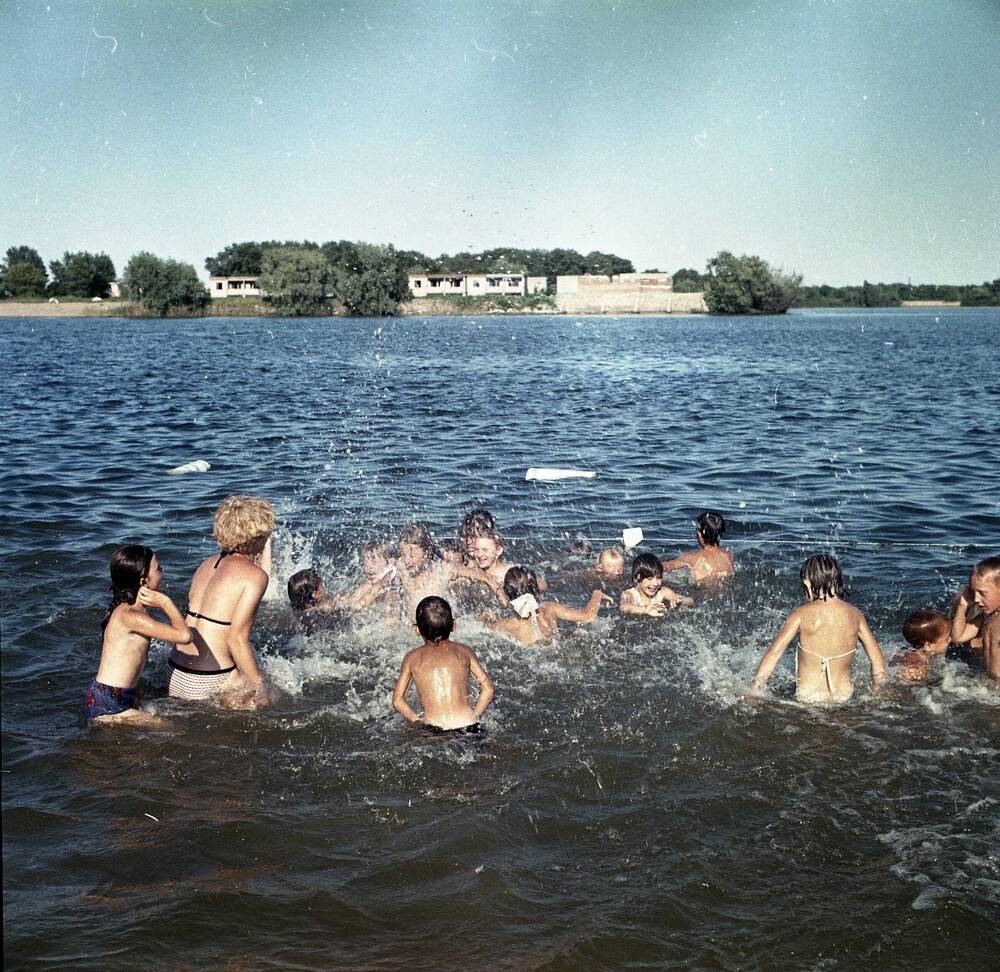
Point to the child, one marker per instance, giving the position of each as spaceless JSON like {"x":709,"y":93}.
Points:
{"x":441,"y":668}
{"x":710,"y":561}
{"x":421,"y":570}
{"x":539,"y":621}
{"x":648,"y":592}
{"x":610,"y":563}
{"x":984,"y":583}
{"x":829,"y":630}
{"x":128,"y":628}
{"x":474,"y":524}
{"x":485,"y":552}
{"x":929,"y":634}
{"x":306,"y":591}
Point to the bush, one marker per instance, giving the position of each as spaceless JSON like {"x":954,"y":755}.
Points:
{"x":748,"y":285}
{"x":294,"y":280}
{"x":163,"y":285}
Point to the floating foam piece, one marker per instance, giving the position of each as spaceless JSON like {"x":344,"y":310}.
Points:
{"x":525,"y":605}
{"x":199,"y":465}
{"x":544,"y":473}
{"x":632,"y":537}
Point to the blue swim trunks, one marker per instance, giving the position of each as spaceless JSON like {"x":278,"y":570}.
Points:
{"x":105,"y":700}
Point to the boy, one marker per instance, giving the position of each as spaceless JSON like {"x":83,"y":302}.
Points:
{"x":440,"y":669}
{"x":929,"y":634}
{"x":648,"y":592}
{"x":710,"y":561}
{"x":984,"y":585}
{"x":610,"y":563}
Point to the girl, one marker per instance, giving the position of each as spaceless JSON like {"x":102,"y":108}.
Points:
{"x":828,"y":629}
{"x":128,"y":628}
{"x":539,"y":621}
{"x":648,"y":592}
{"x":710,"y":561}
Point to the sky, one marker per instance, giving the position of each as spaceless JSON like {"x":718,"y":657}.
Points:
{"x":841,"y":139}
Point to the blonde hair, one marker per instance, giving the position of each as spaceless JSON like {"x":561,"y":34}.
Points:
{"x":243,"y":523}
{"x":988,"y":569}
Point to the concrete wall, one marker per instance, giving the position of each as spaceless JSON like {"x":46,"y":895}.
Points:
{"x":648,"y":302}
{"x":233,"y":287}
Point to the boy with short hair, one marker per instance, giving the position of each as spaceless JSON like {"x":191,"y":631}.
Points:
{"x":610,"y":563}
{"x":984,"y":584}
{"x":711,"y":560}
{"x":929,"y":634}
{"x":440,"y":669}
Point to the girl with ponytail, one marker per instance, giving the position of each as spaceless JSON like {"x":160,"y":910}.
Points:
{"x":128,"y":629}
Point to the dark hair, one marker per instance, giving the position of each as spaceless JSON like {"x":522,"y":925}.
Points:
{"x":129,"y":565}
{"x":303,"y":589}
{"x":579,"y":547}
{"x":988,"y":568}
{"x":420,"y":536}
{"x":434,"y":619}
{"x":380,"y":548}
{"x":644,"y":566}
{"x":711,"y":526}
{"x":824,"y":576}
{"x":520,"y":580}
{"x":924,"y":627}
{"x":475,"y":523}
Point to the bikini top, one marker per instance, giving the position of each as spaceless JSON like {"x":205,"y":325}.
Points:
{"x":205,"y":617}
{"x":824,"y":666}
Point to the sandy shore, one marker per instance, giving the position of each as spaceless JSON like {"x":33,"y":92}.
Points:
{"x":68,"y":308}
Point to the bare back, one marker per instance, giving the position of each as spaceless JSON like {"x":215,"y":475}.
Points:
{"x":124,"y":650}
{"x":441,"y":672}
{"x":828,"y":637}
{"x":707,"y":563}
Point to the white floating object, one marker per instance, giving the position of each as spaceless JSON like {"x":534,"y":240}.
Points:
{"x":525,"y":605}
{"x":199,"y":465}
{"x":544,"y":473}
{"x":632,"y":537}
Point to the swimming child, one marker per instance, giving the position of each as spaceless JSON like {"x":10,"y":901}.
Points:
{"x":610,"y":563}
{"x":440,"y":669}
{"x":648,"y":594}
{"x":984,"y":583}
{"x":475,"y":523}
{"x":306,"y":591}
{"x":828,"y":629}
{"x":421,"y":570}
{"x":710,"y":561}
{"x":538,"y":620}
{"x":928,"y":634}
{"x":128,"y":628}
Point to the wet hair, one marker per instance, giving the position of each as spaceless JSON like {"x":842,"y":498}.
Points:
{"x":711,"y":526}
{"x":476,"y":523}
{"x":520,"y":580}
{"x":380,"y":548}
{"x":925,"y":627}
{"x":452,"y":547}
{"x":489,"y":535}
{"x":303,"y":589}
{"x":644,"y":566}
{"x":612,"y":554}
{"x":824,"y":576}
{"x":434,"y":619}
{"x":243,"y":523}
{"x":129,"y":565}
{"x":420,"y":536}
{"x":579,"y":547}
{"x":988,"y":569}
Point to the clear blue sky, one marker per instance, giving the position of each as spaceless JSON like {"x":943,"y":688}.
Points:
{"x":844,"y":139}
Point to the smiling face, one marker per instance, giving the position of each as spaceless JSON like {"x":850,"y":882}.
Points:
{"x":986,"y":592}
{"x":411,"y":554}
{"x":648,"y":586}
{"x":486,"y":552}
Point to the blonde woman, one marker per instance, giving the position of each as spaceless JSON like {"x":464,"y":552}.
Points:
{"x":225,"y":593}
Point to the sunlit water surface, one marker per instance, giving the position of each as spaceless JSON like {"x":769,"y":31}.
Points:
{"x":628,"y":809}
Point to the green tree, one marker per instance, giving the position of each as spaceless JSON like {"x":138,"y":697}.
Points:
{"x":688,"y":281}
{"x":163,"y":285}
{"x":294,"y":279}
{"x":377,"y":286}
{"x":748,"y":285}
{"x":236,"y":260}
{"x":82,"y":274}
{"x":22,"y":274}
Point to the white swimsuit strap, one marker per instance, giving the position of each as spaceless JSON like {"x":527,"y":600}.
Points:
{"x":824,"y":667}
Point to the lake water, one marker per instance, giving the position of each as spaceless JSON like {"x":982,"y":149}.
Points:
{"x":627,"y":809}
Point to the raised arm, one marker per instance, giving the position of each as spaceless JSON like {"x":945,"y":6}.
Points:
{"x":675,"y":599}
{"x":777,"y":648}
{"x":962,"y":629}
{"x":873,"y":652}
{"x":482,"y":577}
{"x":483,"y":681}
{"x":586,"y":615}
{"x":678,"y":563}
{"x":399,"y":693}
{"x":176,"y":632}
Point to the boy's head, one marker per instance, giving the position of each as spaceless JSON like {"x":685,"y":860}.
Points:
{"x":985,"y":584}
{"x":434,"y":619}
{"x":376,"y":555}
{"x":518,"y":581}
{"x":611,"y":562}
{"x":579,"y":547}
{"x":474,"y":524}
{"x":243,"y":524}
{"x":416,"y":545}
{"x":486,"y":549}
{"x":928,"y":631}
{"x":822,"y":577}
{"x":305,"y":589}
{"x":647,"y":573}
{"x":711,"y":527}
{"x":452,"y":552}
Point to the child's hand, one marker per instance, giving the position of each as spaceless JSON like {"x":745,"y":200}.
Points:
{"x":603,"y":600}
{"x":656,"y":610}
{"x":150,"y":598}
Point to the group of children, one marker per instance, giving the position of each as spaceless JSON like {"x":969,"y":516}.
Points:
{"x":415,"y":580}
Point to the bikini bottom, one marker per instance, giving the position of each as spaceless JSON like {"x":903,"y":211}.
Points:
{"x":190,"y":684}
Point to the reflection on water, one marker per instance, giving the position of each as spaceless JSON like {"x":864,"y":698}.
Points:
{"x":627,"y":806}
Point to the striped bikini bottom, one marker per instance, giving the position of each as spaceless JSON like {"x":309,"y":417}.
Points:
{"x":189,"y":683}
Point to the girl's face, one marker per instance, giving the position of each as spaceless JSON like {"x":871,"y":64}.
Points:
{"x":986,"y":593}
{"x":486,"y":552}
{"x":372,"y":564}
{"x":411,"y":554}
{"x":648,"y":586}
{"x":155,"y":575}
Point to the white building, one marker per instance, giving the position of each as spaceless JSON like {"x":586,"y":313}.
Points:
{"x":475,"y":284}
{"x":245,"y":286}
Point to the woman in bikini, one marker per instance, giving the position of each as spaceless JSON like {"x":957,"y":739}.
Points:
{"x":225,"y":593}
{"x":829,"y":630}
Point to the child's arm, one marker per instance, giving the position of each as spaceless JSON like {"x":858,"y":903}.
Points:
{"x":177,"y":632}
{"x":683,"y":562}
{"x":777,"y":648}
{"x":483,"y":681}
{"x":962,"y":629}
{"x":482,"y":577}
{"x":675,"y":599}
{"x":873,"y":652}
{"x":587,"y":615}
{"x":399,"y":693}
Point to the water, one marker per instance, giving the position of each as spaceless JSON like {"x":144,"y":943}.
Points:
{"x":628,"y":809}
